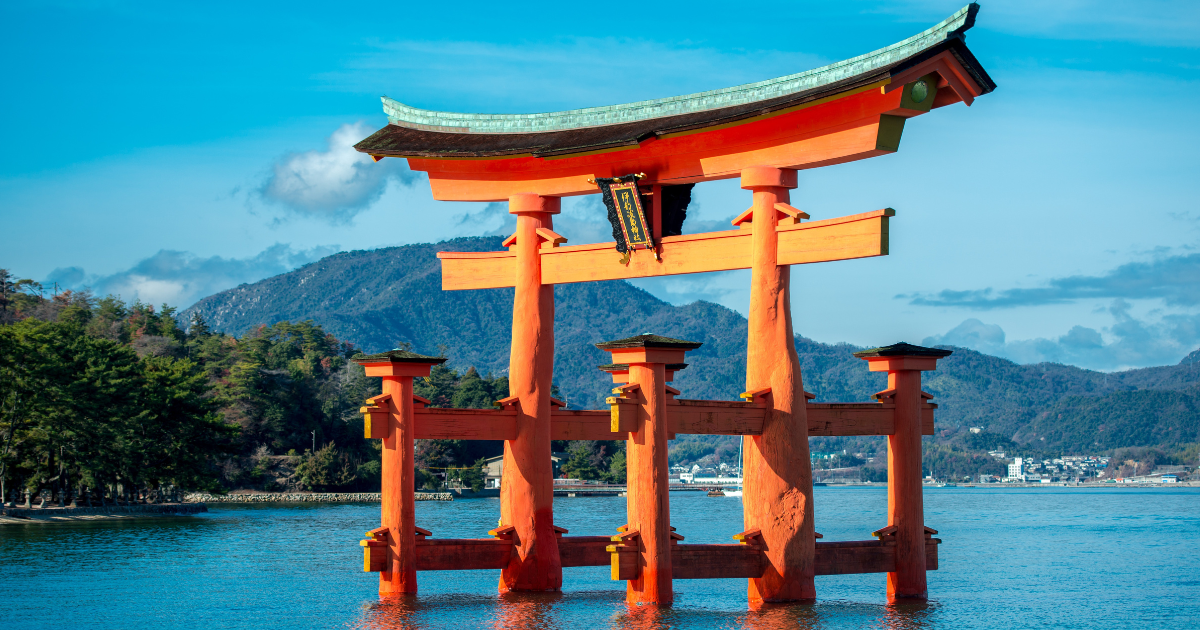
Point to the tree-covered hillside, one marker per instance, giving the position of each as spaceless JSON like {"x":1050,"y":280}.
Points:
{"x":382,"y":298}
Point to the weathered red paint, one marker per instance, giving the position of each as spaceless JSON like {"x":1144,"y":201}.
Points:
{"x":906,"y":510}
{"x":527,"y":486}
{"x":777,"y":474}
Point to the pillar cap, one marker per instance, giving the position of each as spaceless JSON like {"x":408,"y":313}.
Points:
{"x":768,"y":177}
{"x":530,"y":202}
{"x":903,"y":349}
{"x":397,"y":356}
{"x":648,"y":340}
{"x":624,"y":367}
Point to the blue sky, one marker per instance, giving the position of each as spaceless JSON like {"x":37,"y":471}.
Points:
{"x":166,"y":151}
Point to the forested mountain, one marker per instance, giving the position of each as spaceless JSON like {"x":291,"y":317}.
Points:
{"x":382,"y":298}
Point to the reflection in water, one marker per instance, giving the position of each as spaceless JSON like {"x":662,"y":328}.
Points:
{"x":527,"y":611}
{"x":907,"y":615}
{"x":777,"y":616}
{"x":556,"y":611}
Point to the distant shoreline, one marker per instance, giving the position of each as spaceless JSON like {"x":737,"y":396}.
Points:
{"x":55,"y":514}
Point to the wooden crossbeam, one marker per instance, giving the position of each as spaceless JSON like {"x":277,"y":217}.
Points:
{"x":688,"y":562}
{"x":844,"y":238}
{"x":452,"y":554}
{"x":701,"y":417}
{"x":699,"y":562}
{"x":584,"y":551}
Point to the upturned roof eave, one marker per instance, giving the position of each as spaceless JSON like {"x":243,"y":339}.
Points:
{"x":736,"y":96}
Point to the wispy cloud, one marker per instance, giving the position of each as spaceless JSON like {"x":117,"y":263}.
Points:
{"x":1173,"y":279}
{"x":1149,"y":22}
{"x":181,"y":278}
{"x":1128,"y":342}
{"x":559,"y":73}
{"x":334,"y":184}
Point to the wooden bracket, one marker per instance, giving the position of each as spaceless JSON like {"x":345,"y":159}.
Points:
{"x":757,"y":397}
{"x":751,"y":537}
{"x":375,"y":550}
{"x":744,"y":219}
{"x":510,"y":241}
{"x":792,"y":216}
{"x":420,"y":403}
{"x":421,"y":532}
{"x":511,"y":401}
{"x":376,"y":417}
{"x":554,"y":402}
{"x":926,"y":396}
{"x":506,"y":532}
{"x":885,"y":396}
{"x":672,"y":391}
{"x":550,"y":238}
{"x":886,"y":534}
{"x":559,"y":531}
{"x":675,"y":538}
{"x":626,"y":536}
{"x":626,"y":390}
{"x":817,"y":535}
{"x":809,"y":396}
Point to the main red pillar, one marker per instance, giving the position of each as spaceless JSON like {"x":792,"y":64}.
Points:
{"x":397,"y":505}
{"x":906,"y":510}
{"x":647,"y":483}
{"x":527,"y":483}
{"x":776,"y":473}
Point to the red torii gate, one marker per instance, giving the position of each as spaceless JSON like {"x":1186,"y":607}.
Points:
{"x":763,"y":133}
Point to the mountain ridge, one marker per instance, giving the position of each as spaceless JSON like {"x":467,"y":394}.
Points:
{"x":382,"y":298}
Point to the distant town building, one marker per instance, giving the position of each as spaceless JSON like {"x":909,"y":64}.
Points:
{"x":1016,"y":469}
{"x":976,"y":429}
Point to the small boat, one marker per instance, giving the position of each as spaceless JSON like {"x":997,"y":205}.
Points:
{"x":716,"y":493}
{"x":733,"y":493}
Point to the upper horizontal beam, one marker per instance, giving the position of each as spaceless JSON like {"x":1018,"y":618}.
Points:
{"x":843,"y":238}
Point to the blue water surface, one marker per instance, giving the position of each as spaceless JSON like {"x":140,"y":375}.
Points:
{"x":1011,"y":558}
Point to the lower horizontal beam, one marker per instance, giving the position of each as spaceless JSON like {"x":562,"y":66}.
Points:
{"x":703,"y":562}
{"x":452,"y":554}
{"x":584,"y":551}
{"x":865,"y":556}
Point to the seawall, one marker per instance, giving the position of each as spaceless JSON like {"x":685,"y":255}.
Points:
{"x":307,"y":497}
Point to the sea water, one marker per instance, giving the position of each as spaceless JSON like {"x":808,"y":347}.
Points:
{"x":1011,"y":558}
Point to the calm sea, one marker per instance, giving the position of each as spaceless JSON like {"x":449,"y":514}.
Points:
{"x":1011,"y":558}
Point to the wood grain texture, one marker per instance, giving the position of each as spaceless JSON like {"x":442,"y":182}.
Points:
{"x":715,"y":417}
{"x":463,"y":554}
{"x":703,"y":562}
{"x":843,"y":238}
{"x":566,"y":424}
{"x":584,"y":551}
{"x":466,"y":424}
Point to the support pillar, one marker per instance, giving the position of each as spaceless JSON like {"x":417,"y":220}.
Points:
{"x":647,"y":483}
{"x":527,"y":484}
{"x":906,"y":510}
{"x":776,"y":471}
{"x":397,"y":505}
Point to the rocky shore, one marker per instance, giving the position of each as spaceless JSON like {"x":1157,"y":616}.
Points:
{"x":306,"y":497}
{"x":49,"y":514}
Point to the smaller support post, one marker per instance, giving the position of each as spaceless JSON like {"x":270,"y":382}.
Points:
{"x":397,"y":506}
{"x":906,"y":511}
{"x":648,"y":503}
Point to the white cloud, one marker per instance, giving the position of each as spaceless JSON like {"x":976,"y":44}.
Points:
{"x":181,"y":278}
{"x":1129,"y":342}
{"x":334,"y":184}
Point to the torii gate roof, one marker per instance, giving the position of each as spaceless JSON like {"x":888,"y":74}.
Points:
{"x":536,"y":152}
